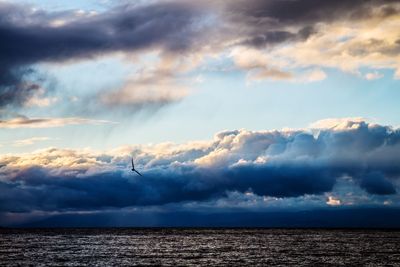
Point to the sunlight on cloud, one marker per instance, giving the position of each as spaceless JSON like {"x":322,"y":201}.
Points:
{"x":41,"y":101}
{"x":260,"y":66}
{"x":145,"y":89}
{"x":332,"y":201}
{"x":366,"y":43}
{"x":23,"y":122}
{"x":338,"y":123}
{"x":373,"y":75}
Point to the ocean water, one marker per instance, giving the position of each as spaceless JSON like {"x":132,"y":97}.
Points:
{"x":194,"y":247}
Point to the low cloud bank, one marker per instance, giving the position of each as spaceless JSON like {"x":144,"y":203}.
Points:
{"x":287,"y":163}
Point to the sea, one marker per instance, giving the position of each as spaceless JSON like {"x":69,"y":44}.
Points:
{"x":199,"y":247}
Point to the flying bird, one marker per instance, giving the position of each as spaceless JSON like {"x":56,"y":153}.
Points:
{"x":134,"y":170}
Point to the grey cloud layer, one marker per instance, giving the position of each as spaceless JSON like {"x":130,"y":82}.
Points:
{"x":30,"y":37}
{"x":273,"y":163}
{"x":292,"y":12}
{"x":275,"y":21}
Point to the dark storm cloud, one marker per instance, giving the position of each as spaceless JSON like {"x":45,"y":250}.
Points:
{"x":275,"y":164}
{"x":376,"y":183}
{"x":14,"y":91}
{"x":275,"y":21}
{"x":166,"y":25}
{"x":28,"y":37}
{"x":36,"y":189}
{"x":278,"y":36}
{"x":307,"y":12}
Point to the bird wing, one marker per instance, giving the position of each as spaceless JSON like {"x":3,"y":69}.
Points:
{"x":133,"y":166}
{"x":138,"y":172}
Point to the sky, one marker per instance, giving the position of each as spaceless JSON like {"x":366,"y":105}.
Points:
{"x":256,"y":107}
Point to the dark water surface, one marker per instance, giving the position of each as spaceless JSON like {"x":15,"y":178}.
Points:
{"x":187,"y":247}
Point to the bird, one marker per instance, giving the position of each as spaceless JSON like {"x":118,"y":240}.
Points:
{"x":134,"y":170}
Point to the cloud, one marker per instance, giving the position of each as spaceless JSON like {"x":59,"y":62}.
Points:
{"x":369,"y":43}
{"x":332,"y":201}
{"x":288,"y":12}
{"x":268,"y":73}
{"x":29,"y":141}
{"x":337,"y":123}
{"x":307,"y":33}
{"x":41,"y":102}
{"x":373,"y":75}
{"x":24,"y":122}
{"x":376,"y":183}
{"x":258,"y":66}
{"x":269,"y":22}
{"x":309,"y":76}
{"x":30,"y":36}
{"x":313,"y":76}
{"x":278,"y":164}
{"x":295,"y":34}
{"x":159,"y":84}
{"x":39,"y":99}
